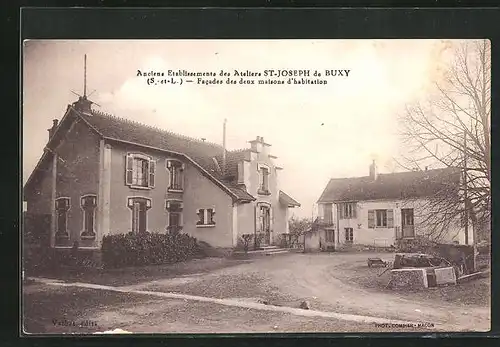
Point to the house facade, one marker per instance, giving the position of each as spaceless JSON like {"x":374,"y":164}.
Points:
{"x":101,"y":175}
{"x":380,"y":209}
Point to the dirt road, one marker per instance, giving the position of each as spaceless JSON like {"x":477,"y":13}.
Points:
{"x":323,"y":280}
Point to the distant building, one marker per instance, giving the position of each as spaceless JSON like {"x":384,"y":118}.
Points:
{"x":379,"y":209}
{"x":102,"y":175}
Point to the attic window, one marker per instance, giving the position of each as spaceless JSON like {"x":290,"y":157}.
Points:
{"x":140,"y":171}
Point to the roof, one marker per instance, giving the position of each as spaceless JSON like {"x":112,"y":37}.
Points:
{"x":411,"y":184}
{"x":288,"y":201}
{"x":199,"y":151}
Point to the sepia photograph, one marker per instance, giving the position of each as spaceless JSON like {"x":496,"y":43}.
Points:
{"x":256,"y":186}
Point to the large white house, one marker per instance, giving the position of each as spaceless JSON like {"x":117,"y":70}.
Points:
{"x":379,"y":209}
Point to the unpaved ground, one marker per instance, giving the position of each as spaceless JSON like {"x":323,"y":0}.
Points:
{"x":87,"y":311}
{"x":336,"y":282}
{"x":325,"y":281}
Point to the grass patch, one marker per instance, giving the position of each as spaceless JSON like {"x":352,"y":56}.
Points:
{"x":135,"y":275}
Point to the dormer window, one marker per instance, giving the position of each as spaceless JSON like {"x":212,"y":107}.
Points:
{"x":140,"y":171}
{"x":176,"y":175}
{"x":263,"y":180}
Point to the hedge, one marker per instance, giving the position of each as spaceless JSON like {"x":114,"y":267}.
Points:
{"x":136,"y":249}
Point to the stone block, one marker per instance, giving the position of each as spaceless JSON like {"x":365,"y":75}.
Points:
{"x":410,"y":278}
{"x":445,"y":275}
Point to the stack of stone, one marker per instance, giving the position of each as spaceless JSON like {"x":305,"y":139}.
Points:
{"x":409,"y":278}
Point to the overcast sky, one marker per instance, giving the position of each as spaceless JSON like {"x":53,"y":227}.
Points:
{"x":317,"y":131}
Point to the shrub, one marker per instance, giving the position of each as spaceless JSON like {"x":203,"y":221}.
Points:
{"x":137,"y":249}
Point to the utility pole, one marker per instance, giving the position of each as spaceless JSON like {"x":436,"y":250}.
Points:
{"x":85,"y":76}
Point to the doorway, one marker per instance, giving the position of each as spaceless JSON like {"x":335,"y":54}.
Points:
{"x":407,"y":223}
{"x":265,"y":224}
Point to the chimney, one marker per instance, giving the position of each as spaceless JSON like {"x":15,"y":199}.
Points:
{"x":83,"y":105}
{"x":224,"y":148}
{"x":373,"y":171}
{"x":257,"y":144}
{"x":53,"y":129}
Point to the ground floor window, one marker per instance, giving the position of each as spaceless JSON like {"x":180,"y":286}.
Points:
{"x":62,"y":208}
{"x":349,"y":235}
{"x":174,"y":210}
{"x":139,"y":207}
{"x":206,"y":217}
{"x":88,"y":204}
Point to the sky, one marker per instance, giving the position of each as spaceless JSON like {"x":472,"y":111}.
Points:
{"x":317,"y":132}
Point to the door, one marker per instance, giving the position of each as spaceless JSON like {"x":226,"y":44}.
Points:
{"x":407,"y":223}
{"x":265,"y":213}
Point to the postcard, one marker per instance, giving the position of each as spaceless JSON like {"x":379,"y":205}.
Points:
{"x":256,"y":186}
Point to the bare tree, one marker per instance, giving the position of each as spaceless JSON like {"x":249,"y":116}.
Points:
{"x":451,"y":129}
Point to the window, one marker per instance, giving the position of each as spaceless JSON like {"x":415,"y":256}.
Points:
{"x":139,"y":207}
{"x":140,"y":171}
{"x":264,"y":180}
{"x":347,"y":210}
{"x":206,"y":217}
{"x":62,"y":208}
{"x":88,"y":204}
{"x":175,"y":169}
{"x":349,"y":235}
{"x":174,"y":221}
{"x":327,"y":214}
{"x":380,"y":218}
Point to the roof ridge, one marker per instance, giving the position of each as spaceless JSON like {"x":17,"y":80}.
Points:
{"x":130,"y":121}
{"x":397,"y":173}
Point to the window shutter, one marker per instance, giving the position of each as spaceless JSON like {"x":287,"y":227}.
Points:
{"x":390,"y":218}
{"x":152,"y":169}
{"x":371,"y":218}
{"x":128,"y":170}
{"x":341,"y":211}
{"x":354,"y":206}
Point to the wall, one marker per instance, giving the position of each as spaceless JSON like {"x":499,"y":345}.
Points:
{"x":39,"y":199}
{"x":78,"y":175}
{"x":120,"y":213}
{"x":454,"y":232}
{"x":382,"y":236}
{"x":312,"y":241}
{"x":246,"y":219}
{"x":279,"y":222}
{"x":201,"y":192}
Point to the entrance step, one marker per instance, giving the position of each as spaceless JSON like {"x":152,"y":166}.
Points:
{"x":270,"y":247}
